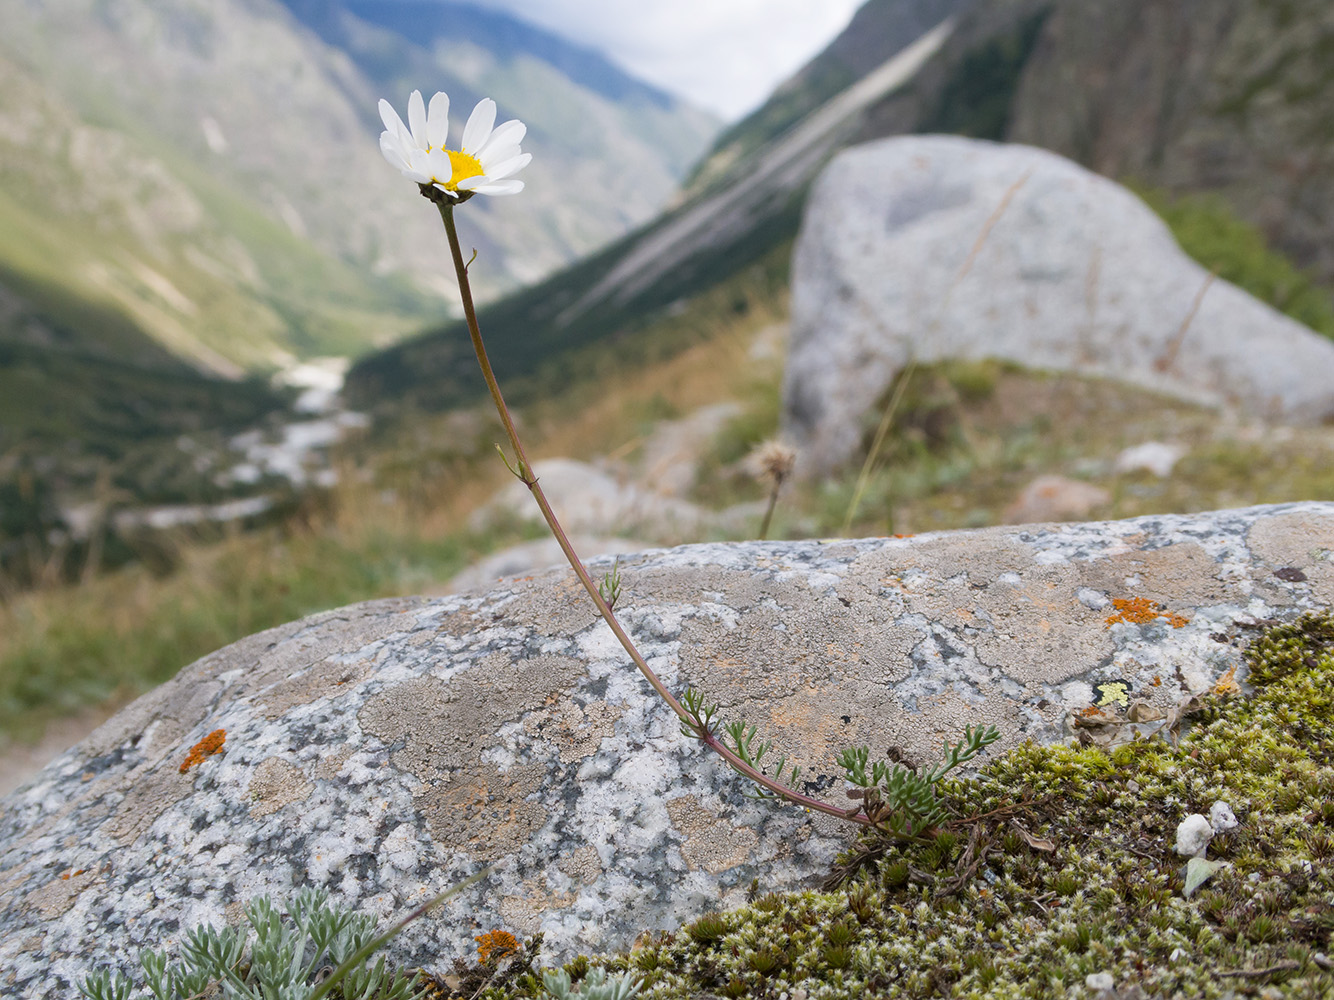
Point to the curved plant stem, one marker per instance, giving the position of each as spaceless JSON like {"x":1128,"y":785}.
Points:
{"x":769,"y":513}
{"x":525,"y":473}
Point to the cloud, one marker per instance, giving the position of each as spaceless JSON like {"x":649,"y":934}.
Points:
{"x":724,"y":55}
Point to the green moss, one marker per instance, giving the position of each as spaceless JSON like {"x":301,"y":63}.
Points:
{"x":1005,"y":919}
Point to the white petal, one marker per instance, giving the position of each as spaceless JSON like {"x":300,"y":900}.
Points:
{"x":437,"y":120}
{"x":468,"y":183}
{"x":418,"y":166}
{"x":394,"y":124}
{"x":438,"y":163}
{"x":510,"y":166}
{"x":417,"y":118}
{"x":511,"y":131}
{"x":399,"y":131}
{"x":478,"y":129}
{"x":500,"y":187}
{"x":497,"y":154}
{"x":389,"y":116}
{"x":393,"y":152}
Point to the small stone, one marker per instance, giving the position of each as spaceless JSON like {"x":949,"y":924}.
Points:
{"x":1155,"y":457}
{"x":1221,"y":817}
{"x":1101,"y":981}
{"x":1193,"y":836}
{"x":1055,"y":498}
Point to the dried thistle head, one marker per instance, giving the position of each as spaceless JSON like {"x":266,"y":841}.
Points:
{"x":772,"y":462}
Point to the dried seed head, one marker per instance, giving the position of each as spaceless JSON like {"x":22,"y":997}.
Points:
{"x":772,"y":462}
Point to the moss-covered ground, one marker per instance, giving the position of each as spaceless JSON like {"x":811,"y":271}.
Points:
{"x":1060,"y":865}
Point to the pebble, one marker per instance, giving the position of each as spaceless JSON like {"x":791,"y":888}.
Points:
{"x":1193,"y":836}
{"x":1101,"y":981}
{"x":1221,"y":817}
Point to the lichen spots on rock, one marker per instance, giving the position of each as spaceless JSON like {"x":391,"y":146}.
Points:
{"x":707,"y":840}
{"x":1299,"y":543}
{"x":1142,"y":611}
{"x":433,"y":726}
{"x":543,"y":751}
{"x":58,"y":895}
{"x":327,"y":679}
{"x":205,"y":748}
{"x":583,"y":865}
{"x":277,"y":783}
{"x":484,"y":811}
{"x":575,"y":731}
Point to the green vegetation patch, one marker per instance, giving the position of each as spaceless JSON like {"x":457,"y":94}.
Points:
{"x":1236,"y":251}
{"x":1060,"y":865}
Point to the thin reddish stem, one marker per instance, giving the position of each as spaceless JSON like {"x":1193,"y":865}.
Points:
{"x":526,"y":475}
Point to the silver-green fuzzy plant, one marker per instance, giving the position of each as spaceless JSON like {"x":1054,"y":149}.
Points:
{"x":594,"y":986}
{"x":284,"y":961}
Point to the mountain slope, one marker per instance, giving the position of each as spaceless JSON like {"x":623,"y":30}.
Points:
{"x":106,"y":154}
{"x":1248,"y":79}
{"x":211,"y":170}
{"x":877,"y":31}
{"x":1234,"y":97}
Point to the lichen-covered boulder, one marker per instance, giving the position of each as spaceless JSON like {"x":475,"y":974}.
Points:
{"x":924,"y":248}
{"x":388,"y":750}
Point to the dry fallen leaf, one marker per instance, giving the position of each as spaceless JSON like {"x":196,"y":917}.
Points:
{"x":1093,"y":718}
{"x":1037,"y":843}
{"x":1142,"y":711}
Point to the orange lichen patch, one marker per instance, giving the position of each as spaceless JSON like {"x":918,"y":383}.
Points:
{"x":1091,"y":710}
{"x":1227,"y":683}
{"x":70,"y":874}
{"x":209,"y":745}
{"x":495,"y":945}
{"x":1140,"y":610}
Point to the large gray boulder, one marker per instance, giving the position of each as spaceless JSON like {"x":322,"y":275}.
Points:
{"x":935,"y":247}
{"x":390,"y":749}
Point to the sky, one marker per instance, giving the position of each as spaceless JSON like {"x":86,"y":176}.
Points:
{"x":723,"y":55}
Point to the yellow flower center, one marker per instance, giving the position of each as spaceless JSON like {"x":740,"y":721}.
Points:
{"x":464,"y":165}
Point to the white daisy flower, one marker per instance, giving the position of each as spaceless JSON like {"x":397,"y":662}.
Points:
{"x":482,"y":165}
